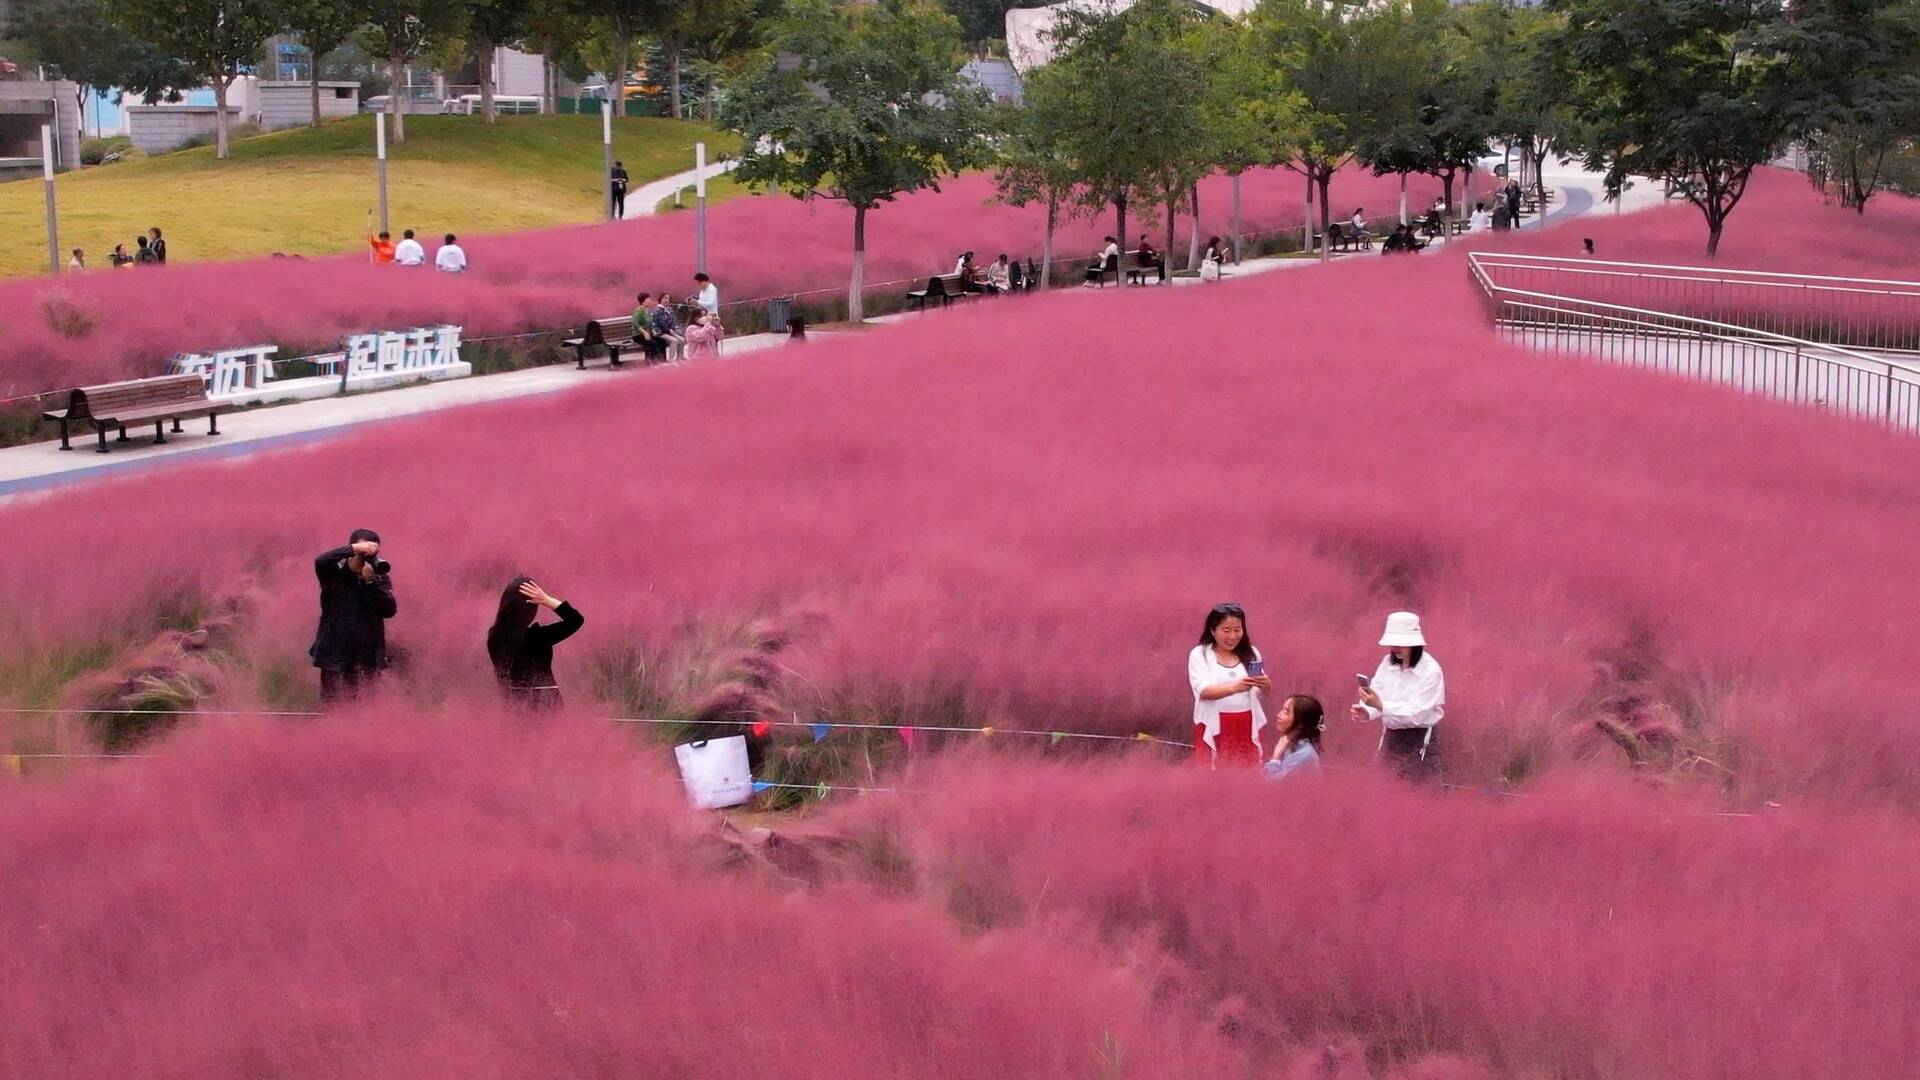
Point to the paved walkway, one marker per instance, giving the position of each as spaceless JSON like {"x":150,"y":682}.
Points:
{"x":642,"y":201}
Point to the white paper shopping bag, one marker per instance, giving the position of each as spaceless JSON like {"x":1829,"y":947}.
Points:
{"x":715,"y":771}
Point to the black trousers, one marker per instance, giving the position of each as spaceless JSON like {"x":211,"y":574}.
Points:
{"x":1410,"y":752}
{"x":619,"y":203}
{"x":340,"y":687}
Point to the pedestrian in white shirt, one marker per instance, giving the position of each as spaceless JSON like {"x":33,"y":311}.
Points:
{"x":450,"y":257}
{"x":1408,"y":695}
{"x":408,"y":251}
{"x":1227,"y":676}
{"x":1481,"y":221}
{"x":709,"y":295}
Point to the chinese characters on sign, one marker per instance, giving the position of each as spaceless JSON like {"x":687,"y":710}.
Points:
{"x":232,"y":373}
{"x":419,"y":350}
{"x":246,"y":373}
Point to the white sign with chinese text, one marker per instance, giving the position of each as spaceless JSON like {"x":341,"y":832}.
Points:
{"x":366,"y":361}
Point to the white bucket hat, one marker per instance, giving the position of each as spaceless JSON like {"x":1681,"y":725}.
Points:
{"x":1403,"y":628}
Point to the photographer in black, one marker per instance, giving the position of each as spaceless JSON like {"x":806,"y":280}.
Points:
{"x":356,"y":599}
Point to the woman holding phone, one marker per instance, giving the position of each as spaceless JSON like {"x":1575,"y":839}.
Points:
{"x":1228,"y":676}
{"x":1408,"y":695}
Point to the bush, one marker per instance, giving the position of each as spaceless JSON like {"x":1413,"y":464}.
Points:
{"x":96,"y":151}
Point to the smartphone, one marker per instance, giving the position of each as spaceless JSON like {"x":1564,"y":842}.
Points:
{"x":1363,"y":680}
{"x":1256,"y":668}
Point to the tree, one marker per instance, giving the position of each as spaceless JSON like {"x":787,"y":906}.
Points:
{"x":982,"y":21}
{"x":1252,"y":117}
{"x":213,"y":39}
{"x":79,"y":41}
{"x":1860,"y":88}
{"x":859,"y":103}
{"x":1130,"y":123}
{"x":1344,"y":62}
{"x":1030,"y":170}
{"x":1677,"y":91}
{"x":1445,"y":129}
{"x":322,"y":26}
{"x":623,"y":20}
{"x":402,"y":30}
{"x":1532,"y":100}
{"x":490,"y":24}
{"x":554,"y":29}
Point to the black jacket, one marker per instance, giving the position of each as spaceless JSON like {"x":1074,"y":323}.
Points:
{"x":353,"y":614}
{"x":525,"y":667}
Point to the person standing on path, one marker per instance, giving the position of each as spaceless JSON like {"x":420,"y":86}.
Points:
{"x":143,"y":253}
{"x":709,"y":295}
{"x":1227,"y":676}
{"x":158,"y":245}
{"x":356,"y":600}
{"x":704,"y":337}
{"x":522,"y":650}
{"x":77,"y":264}
{"x":619,"y":186}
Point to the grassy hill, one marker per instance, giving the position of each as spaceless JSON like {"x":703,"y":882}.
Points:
{"x":309,"y":190}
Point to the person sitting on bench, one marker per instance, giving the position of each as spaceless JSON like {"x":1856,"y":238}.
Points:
{"x":1358,"y":226}
{"x":1401,"y":239}
{"x":1108,"y":256}
{"x":1148,"y":256}
{"x":999,"y":275}
{"x":652,"y":345}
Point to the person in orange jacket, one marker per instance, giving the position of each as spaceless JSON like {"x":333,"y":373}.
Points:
{"x":382,"y":249}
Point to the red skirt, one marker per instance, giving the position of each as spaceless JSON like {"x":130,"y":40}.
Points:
{"x":1234,"y":744}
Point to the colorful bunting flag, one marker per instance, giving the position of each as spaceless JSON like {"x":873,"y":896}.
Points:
{"x":11,"y":763}
{"x":1054,"y":737}
{"x":761,"y":728}
{"x":760,"y":786}
{"x":821,"y":731}
{"x":986,"y":731}
{"x":1143,"y":737}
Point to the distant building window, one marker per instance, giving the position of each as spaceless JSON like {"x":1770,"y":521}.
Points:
{"x":343,"y":91}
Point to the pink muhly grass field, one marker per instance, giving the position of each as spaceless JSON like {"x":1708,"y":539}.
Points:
{"x":391,"y":894}
{"x":1021,"y":512}
{"x":113,"y":325}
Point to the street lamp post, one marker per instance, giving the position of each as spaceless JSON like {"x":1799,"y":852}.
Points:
{"x":700,"y":206}
{"x":53,"y":221}
{"x":380,"y":156}
{"x":606,"y":154}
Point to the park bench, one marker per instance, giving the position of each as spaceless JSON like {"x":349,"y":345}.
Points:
{"x":611,"y":335}
{"x":945,"y":288}
{"x":1137,"y":267}
{"x":1341,"y":238}
{"x":169,"y":397}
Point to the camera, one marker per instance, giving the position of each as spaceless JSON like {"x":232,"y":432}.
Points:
{"x":380,"y":565}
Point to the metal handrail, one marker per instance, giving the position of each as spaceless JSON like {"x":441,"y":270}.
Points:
{"x":1697,"y":273}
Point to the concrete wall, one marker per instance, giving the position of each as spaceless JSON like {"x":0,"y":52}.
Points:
{"x":28,"y":103}
{"x":518,"y":74}
{"x":290,"y":104}
{"x":156,"y":129}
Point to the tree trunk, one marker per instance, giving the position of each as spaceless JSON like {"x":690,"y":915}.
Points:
{"x":1236,"y":219}
{"x":484,"y":55}
{"x":1306,"y":222}
{"x":622,"y":59}
{"x":546,"y":79}
{"x":1446,"y":197}
{"x":1166,"y":253}
{"x":1714,"y":224}
{"x":1120,"y":220}
{"x":856,"y":311}
{"x":313,"y":83}
{"x":1403,"y":198}
{"x":398,"y":63}
{"x":1326,"y":213}
{"x":221,"y":84}
{"x":1046,"y":242}
{"x":673,"y":76}
{"x":1193,"y":237}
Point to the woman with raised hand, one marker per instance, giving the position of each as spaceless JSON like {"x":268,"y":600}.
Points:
{"x":522,"y":649}
{"x":1408,"y":695}
{"x":1228,"y":676}
{"x":704,"y":335}
{"x":1301,"y":722}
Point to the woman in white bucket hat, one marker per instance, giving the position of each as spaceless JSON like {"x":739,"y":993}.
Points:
{"x":1407,"y":694}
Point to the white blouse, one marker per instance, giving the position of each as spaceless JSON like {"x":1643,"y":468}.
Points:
{"x":1203,"y":670}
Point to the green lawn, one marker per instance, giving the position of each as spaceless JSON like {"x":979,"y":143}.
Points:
{"x":309,"y":190}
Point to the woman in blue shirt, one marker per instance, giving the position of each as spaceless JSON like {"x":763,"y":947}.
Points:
{"x":1301,"y":721}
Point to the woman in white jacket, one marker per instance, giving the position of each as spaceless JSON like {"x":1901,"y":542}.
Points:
{"x":1227,"y":676}
{"x":1408,"y":695}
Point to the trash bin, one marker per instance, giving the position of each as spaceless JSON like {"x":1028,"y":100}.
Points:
{"x":779,"y":310}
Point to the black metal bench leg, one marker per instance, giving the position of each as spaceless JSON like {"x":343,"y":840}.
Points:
{"x":102,"y":432}
{"x":176,"y":425}
{"x":613,"y":356}
{"x":123,"y":434}
{"x":159,"y":432}
{"x":64,"y":444}
{"x":580,"y":356}
{"x":213,"y":423}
